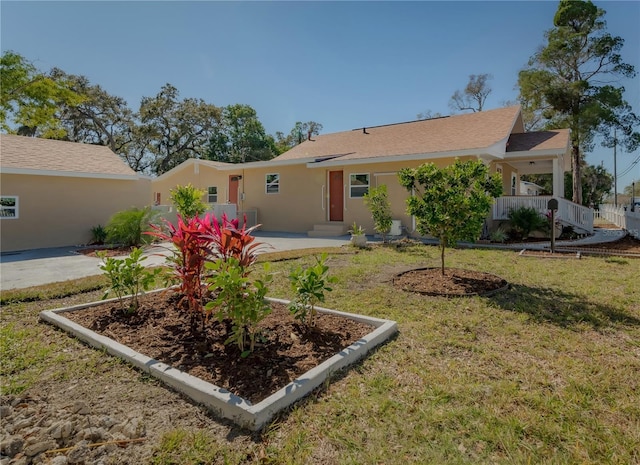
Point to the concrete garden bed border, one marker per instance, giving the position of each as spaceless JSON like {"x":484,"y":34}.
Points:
{"x":220,"y":401}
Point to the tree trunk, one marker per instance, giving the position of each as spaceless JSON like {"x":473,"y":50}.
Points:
{"x":442,"y":247}
{"x":577,"y":174}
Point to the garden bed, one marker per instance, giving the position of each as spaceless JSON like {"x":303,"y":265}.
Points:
{"x":453,"y":283}
{"x":288,"y":364}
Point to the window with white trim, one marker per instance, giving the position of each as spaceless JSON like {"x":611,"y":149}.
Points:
{"x":358,"y":184}
{"x":272,"y":183}
{"x":9,"y":207}
{"x":212,"y":194}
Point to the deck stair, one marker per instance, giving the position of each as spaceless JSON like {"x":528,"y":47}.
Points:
{"x":328,"y":230}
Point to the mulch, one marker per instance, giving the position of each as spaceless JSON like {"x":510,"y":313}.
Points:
{"x":162,"y":330}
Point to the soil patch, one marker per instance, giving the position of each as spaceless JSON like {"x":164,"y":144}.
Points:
{"x":108,"y":251}
{"x":160,"y":329}
{"x":627,"y":244}
{"x":454,"y":283}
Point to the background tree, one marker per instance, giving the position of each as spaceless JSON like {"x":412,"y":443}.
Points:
{"x":240,"y":137}
{"x":300,"y":132}
{"x":474,"y":95}
{"x":29,"y":98}
{"x":176,"y":130}
{"x":428,"y":114}
{"x":597,"y":182}
{"x":628,"y":190}
{"x":100,"y":119}
{"x":450,"y":203}
{"x":564,"y":82}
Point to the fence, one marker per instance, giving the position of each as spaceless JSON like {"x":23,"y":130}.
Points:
{"x":622,"y":217}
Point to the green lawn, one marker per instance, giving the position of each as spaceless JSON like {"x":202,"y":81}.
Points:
{"x":546,"y":372}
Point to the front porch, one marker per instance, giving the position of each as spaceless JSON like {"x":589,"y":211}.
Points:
{"x":569,"y":213}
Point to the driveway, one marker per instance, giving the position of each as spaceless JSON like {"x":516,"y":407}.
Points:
{"x":43,"y":266}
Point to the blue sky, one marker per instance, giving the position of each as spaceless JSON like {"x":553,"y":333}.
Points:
{"x":342,"y":64}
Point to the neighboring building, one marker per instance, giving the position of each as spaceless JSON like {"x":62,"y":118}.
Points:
{"x":530,"y":188}
{"x":54,"y":192}
{"x":317,"y":186}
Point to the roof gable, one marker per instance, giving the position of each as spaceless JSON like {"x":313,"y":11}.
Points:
{"x":31,"y":155}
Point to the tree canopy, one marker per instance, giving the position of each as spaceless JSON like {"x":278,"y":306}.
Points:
{"x":474,"y":95}
{"x":30,"y":99}
{"x":298,"y":134}
{"x":450,"y":203}
{"x":568,"y":82}
{"x":240,"y":137}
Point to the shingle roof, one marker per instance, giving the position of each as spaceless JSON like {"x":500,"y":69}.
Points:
{"x":45,"y":156}
{"x":558,"y":139}
{"x":449,"y":134}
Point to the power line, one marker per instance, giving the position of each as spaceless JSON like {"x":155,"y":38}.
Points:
{"x":630,"y":167}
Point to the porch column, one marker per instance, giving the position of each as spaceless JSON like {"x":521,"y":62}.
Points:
{"x":558,"y":178}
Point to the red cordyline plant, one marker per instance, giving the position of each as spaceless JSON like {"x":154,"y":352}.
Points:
{"x":192,"y":247}
{"x":229,"y":241}
{"x":198,"y":240}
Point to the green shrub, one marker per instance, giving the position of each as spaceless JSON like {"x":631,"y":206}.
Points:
{"x":524,"y":220}
{"x":309,"y":285}
{"x":239,"y":300}
{"x":127,"y":277}
{"x":188,"y":201}
{"x":377,"y":201}
{"x":128,"y":227}
{"x":98,"y":235}
{"x":499,"y":235}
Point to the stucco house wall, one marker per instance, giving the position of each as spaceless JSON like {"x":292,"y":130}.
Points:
{"x":57,"y":211}
{"x":63,"y":190}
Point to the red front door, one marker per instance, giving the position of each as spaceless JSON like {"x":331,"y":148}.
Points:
{"x":234,"y":181}
{"x":336,"y":196}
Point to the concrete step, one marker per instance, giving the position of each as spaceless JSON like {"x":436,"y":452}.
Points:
{"x":327,"y":230}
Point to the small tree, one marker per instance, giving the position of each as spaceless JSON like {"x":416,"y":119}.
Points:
{"x":188,"y":201}
{"x":450,"y":203}
{"x":378,"y":204}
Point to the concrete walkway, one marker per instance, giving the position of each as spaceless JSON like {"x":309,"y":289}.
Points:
{"x":44,"y":266}
{"x":599,"y":236}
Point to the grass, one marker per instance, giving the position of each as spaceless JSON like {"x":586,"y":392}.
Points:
{"x":547,"y":372}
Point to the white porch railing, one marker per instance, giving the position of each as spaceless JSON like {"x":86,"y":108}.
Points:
{"x":569,"y":213}
{"x":621,"y":217}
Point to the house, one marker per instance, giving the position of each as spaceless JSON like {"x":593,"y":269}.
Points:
{"x":318,"y":186}
{"x":54,"y":192}
{"x":530,"y":188}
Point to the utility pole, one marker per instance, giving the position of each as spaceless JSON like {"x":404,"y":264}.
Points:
{"x":615,"y":170}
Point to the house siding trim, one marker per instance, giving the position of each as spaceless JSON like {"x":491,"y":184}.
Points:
{"x":69,"y":174}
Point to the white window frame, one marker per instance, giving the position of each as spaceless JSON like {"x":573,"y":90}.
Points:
{"x":358,"y":186}
{"x":15,"y":207}
{"x":210,"y":195}
{"x":274,"y":184}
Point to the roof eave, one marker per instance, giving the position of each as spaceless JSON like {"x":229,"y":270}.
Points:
{"x":397,"y":158}
{"x":71,"y":174}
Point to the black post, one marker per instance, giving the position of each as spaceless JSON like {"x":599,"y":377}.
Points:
{"x":553,"y":231}
{"x":552,"y":205}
